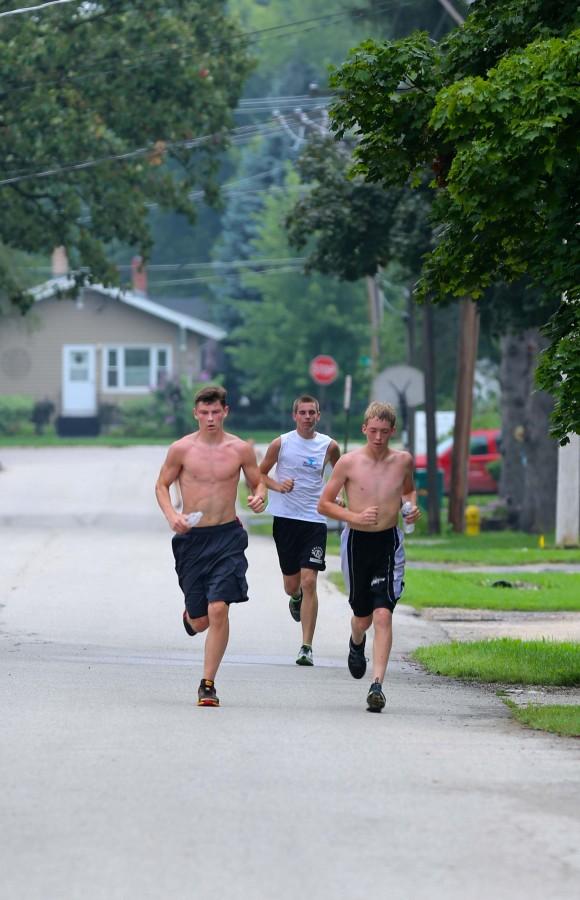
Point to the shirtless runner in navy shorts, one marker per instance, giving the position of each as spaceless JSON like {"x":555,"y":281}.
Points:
{"x":376,"y":480}
{"x":209,"y":540}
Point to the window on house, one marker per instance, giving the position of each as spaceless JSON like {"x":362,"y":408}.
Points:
{"x":135,"y":369}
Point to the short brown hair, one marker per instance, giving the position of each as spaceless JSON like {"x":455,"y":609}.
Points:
{"x":213,"y":393}
{"x":385,"y":411}
{"x":305,"y":398}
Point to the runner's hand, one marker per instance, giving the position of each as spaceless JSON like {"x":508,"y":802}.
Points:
{"x":256,"y":504}
{"x":179,"y":524}
{"x":369,"y":516}
{"x":286,"y":486}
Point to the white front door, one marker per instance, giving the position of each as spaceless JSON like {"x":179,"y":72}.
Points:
{"x":79,"y":386}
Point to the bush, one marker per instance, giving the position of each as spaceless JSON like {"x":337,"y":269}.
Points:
{"x":41,"y":415}
{"x":139,"y":417}
{"x":494,"y":469}
{"x":16,"y":414}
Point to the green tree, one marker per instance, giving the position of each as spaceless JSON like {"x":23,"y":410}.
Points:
{"x":297,"y":317}
{"x":493,"y":111}
{"x":105,"y":110}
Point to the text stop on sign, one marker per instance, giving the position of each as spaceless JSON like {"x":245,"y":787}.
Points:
{"x":323,"y":369}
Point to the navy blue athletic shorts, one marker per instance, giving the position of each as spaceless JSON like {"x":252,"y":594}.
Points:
{"x":373,"y":566}
{"x":300,"y":545}
{"x":211,"y":565}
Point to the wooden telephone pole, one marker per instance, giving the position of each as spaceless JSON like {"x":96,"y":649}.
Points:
{"x":466,"y":357}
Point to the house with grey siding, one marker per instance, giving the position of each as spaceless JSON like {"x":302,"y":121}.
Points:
{"x":105,"y":346}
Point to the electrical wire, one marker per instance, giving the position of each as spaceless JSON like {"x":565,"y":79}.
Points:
{"x":30,"y":9}
{"x":248,"y":37}
{"x":237,"y":136}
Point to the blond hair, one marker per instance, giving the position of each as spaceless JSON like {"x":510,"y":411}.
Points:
{"x":377,"y":410}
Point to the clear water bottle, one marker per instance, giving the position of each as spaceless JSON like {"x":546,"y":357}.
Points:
{"x":406,"y":508}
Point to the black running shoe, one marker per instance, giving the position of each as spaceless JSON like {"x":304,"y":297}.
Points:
{"x":375,"y":698}
{"x":206,"y":695}
{"x":357,"y":661}
{"x":187,"y":626}
{"x":295,"y":606}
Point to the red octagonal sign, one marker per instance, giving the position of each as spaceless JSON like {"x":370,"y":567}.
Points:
{"x":323,"y":369}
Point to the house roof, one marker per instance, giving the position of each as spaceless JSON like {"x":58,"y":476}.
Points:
{"x":136,"y":300}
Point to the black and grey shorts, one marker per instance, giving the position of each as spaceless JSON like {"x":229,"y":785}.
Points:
{"x":300,"y":545}
{"x":373,"y":565}
{"x":211,"y":565}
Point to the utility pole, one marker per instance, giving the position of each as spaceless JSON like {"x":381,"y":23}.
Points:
{"x":433,"y":500}
{"x":568,"y":494}
{"x":466,"y":357}
{"x":374,"y":321}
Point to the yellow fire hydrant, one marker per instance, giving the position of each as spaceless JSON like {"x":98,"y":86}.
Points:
{"x":472,"y":520}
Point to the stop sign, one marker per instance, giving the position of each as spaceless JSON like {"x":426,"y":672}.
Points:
{"x":323,"y":369}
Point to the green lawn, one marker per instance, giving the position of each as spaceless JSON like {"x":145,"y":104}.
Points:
{"x":500,"y":548}
{"x":562,"y":719}
{"x":553,"y":591}
{"x":497,"y":548}
{"x":533,"y":593}
{"x":505,"y":660}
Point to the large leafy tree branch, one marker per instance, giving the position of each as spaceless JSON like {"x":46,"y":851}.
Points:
{"x":492,"y":111}
{"x":105,"y":110}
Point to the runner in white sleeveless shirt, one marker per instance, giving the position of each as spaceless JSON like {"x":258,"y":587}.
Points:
{"x":299,"y":530}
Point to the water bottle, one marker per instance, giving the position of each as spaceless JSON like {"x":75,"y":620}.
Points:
{"x":406,"y":508}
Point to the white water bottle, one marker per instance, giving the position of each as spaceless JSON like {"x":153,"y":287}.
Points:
{"x":406,"y":508}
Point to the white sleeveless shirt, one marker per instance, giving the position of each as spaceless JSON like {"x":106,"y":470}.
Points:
{"x":303,"y":460}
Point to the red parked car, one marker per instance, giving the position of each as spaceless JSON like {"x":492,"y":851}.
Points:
{"x":484,"y":448}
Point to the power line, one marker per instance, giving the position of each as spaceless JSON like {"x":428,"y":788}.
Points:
{"x":207,"y":279}
{"x":237,"y":136}
{"x":451,"y":11}
{"x":248,"y":37}
{"x":29,"y":9}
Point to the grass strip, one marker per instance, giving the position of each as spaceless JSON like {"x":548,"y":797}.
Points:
{"x":494,"y":548}
{"x":497,"y":548}
{"x":559,"y":719}
{"x":505,"y":660}
{"x":542,"y":592}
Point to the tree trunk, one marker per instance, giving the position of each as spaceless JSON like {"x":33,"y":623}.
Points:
{"x":538,"y":513}
{"x":514,"y":377}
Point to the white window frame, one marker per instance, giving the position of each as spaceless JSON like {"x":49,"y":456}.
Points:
{"x":121,"y":388}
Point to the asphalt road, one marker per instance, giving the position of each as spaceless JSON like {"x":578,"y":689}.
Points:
{"x":114,"y":785}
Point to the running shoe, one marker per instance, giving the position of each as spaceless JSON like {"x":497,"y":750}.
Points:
{"x":206,"y":695}
{"x":295,"y":606}
{"x":186,"y":624}
{"x":357,"y":661}
{"x":375,"y":698}
{"x":304,"y":657}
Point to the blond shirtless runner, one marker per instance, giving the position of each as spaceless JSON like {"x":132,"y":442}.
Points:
{"x":376,"y":479}
{"x":209,"y":542}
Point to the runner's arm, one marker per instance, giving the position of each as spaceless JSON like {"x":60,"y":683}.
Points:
{"x":268,"y":463}
{"x":167,"y":476}
{"x":257,"y":497}
{"x":332,"y":457}
{"x":328,"y":506}
{"x":409,"y":493}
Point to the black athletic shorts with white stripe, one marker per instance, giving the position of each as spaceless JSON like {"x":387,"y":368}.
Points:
{"x":373,"y":565}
